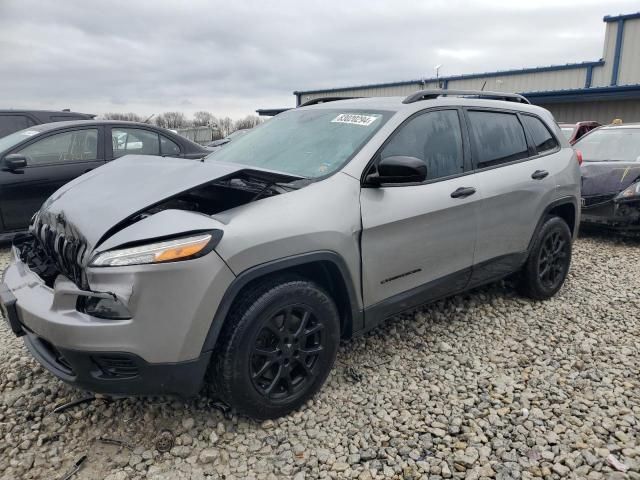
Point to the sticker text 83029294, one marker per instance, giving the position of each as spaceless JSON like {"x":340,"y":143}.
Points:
{"x":355,"y":119}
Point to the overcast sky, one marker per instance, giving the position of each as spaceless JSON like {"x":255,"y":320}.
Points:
{"x":231,"y":57}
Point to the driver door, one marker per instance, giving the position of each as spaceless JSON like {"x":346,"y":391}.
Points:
{"x":418,"y":240}
{"x":52,"y":161}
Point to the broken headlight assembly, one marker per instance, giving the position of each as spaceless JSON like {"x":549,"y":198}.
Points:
{"x":632,"y":192}
{"x":183,"y":248}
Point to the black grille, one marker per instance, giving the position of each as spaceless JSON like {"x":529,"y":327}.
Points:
{"x":594,"y":200}
{"x":65,"y":250}
{"x":113,"y":366}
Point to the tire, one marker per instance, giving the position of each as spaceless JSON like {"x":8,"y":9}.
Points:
{"x":549,"y":259}
{"x":267,"y":362}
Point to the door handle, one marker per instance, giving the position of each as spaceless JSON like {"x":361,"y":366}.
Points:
{"x":463,"y":192}
{"x":539,"y":174}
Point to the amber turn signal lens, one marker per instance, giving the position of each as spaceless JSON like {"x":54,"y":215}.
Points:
{"x":181,"y":251}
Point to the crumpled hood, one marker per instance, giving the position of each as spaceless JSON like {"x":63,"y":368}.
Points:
{"x":600,"y":178}
{"x":94,"y":203}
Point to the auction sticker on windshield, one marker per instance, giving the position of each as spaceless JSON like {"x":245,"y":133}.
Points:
{"x":355,"y":119}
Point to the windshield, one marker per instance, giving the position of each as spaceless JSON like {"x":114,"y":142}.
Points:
{"x":567,"y":132}
{"x":613,"y":145}
{"x":15,"y":138}
{"x":305,"y":143}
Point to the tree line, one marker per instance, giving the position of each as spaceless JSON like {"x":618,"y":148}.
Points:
{"x":175,"y":120}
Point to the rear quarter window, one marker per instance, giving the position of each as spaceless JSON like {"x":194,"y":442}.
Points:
{"x":542,"y":138}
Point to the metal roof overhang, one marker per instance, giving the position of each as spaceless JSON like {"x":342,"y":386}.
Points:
{"x":270,"y":112}
{"x":595,"y":94}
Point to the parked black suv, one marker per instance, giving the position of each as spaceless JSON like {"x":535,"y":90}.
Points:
{"x":14,"y":120}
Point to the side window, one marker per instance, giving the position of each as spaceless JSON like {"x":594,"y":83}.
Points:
{"x":434,"y":137}
{"x":76,"y":146}
{"x":168,"y":147}
{"x":134,"y":141}
{"x":13,"y":123}
{"x":540,"y":134}
{"x":497,"y":138}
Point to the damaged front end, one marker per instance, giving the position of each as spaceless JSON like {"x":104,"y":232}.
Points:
{"x":64,"y":236}
{"x":97,"y":306}
{"x":51,"y":249}
{"x":619,"y":210}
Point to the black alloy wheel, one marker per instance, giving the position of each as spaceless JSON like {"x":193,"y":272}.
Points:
{"x":276,"y":348}
{"x":552,"y":262}
{"x":549,"y":259}
{"x":286,"y":352}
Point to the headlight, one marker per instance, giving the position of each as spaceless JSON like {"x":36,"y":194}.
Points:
{"x":166,"y":251}
{"x":631,"y":191}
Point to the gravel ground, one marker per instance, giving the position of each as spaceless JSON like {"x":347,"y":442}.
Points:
{"x":483,"y":385}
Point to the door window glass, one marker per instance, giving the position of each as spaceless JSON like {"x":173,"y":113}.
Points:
{"x":168,"y":147}
{"x":497,"y":138}
{"x":541,"y":136}
{"x":75,"y":146}
{"x":134,"y":141}
{"x":434,"y":137}
{"x":13,"y":123}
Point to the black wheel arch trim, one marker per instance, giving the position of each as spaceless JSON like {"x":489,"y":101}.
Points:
{"x":569,"y":200}
{"x":275,"y":266}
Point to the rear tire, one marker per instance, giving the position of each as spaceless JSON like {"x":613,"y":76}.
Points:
{"x":276,"y":348}
{"x":549,"y":259}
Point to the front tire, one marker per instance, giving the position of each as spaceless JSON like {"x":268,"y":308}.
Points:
{"x":277,"y":347}
{"x":549,"y":259}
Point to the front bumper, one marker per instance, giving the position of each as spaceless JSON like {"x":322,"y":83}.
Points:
{"x":118,"y":373}
{"x":158,"y":350}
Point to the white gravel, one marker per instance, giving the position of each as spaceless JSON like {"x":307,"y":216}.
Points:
{"x":483,"y":385}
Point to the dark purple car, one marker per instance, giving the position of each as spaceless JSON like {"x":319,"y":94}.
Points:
{"x":611,"y":176}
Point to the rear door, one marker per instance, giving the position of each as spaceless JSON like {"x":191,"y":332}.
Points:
{"x":513,"y":155}
{"x":417,"y":239}
{"x":126,"y":140}
{"x":52,"y":161}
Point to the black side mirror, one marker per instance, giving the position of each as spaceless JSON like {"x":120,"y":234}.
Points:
{"x":15,"y":161}
{"x":399,"y":169}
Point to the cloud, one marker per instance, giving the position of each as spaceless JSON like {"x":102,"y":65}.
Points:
{"x":233,"y":57}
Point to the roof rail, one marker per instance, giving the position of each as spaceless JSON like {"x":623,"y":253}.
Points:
{"x":435,"y":93}
{"x":318,"y":100}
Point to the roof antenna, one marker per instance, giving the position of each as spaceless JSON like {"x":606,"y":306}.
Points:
{"x":483,"y":85}
{"x":150,"y":117}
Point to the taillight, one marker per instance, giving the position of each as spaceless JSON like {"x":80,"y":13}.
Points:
{"x":579,"y":157}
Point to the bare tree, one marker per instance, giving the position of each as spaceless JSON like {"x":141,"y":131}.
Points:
{"x":225,"y":125}
{"x":171,"y":120}
{"x":249,"y":121}
{"x":128,"y":117}
{"x":204,"y":119}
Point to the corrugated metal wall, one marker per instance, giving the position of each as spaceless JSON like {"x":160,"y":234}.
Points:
{"x":528,"y":82}
{"x":603,"y":112}
{"x":630,"y":60}
{"x":602,"y":75}
{"x":392,"y":91}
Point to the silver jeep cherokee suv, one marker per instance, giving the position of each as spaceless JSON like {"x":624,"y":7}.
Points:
{"x":243,"y":271}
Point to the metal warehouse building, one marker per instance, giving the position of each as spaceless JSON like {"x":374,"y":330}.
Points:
{"x":597,"y":90}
